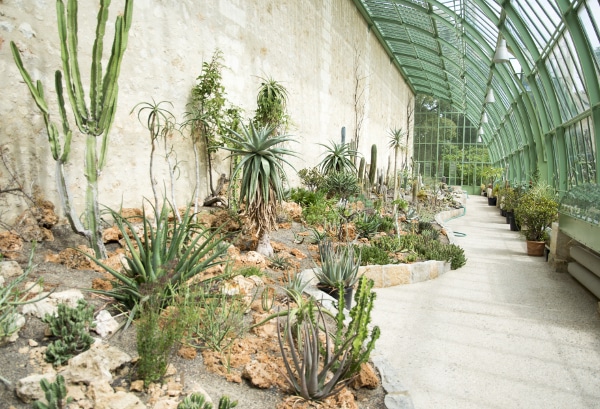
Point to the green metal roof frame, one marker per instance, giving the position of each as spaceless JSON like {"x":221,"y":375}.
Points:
{"x":444,"y":48}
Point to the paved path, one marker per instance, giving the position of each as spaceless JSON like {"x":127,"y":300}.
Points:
{"x":503,"y":332}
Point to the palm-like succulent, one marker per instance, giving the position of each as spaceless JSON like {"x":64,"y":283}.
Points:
{"x":261,"y":165}
{"x":338,"y":158}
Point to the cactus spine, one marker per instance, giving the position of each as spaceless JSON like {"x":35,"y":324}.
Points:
{"x":373,"y":167}
{"x":93,"y":122}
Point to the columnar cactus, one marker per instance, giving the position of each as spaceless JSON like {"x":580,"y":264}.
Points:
{"x":373,"y":167}
{"x":93,"y":121}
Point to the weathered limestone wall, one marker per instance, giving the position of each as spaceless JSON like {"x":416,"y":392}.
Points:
{"x":315,"y":48}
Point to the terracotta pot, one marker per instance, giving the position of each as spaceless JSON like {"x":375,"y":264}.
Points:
{"x":535,"y":248}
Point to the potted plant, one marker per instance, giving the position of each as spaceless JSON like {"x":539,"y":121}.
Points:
{"x":491,"y":174}
{"x":511,"y":201}
{"x":339,"y":268}
{"x":536,"y":210}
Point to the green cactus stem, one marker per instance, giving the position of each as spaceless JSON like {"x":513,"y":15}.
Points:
{"x":373,"y":167}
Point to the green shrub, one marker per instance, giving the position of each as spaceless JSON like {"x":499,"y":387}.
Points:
{"x":312,"y":178}
{"x":372,"y":255}
{"x":157,"y":332}
{"x":217,"y":319}
{"x":70,"y":327}
{"x":367,"y":224}
{"x":387,"y":224}
{"x":341,"y":184}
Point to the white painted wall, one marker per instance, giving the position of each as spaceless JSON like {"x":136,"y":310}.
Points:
{"x":312,"y":47}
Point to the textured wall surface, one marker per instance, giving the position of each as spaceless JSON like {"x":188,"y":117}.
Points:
{"x":316,"y":49}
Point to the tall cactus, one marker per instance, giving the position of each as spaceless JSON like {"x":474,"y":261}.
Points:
{"x":373,"y":167}
{"x":93,"y":121}
{"x":361,"y":170}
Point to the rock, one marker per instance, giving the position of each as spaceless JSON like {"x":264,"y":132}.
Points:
{"x":49,"y":305}
{"x":99,"y":390}
{"x":28,"y":388}
{"x":174,"y":389}
{"x":187,"y":352}
{"x":166,"y":403}
{"x":32,"y":343}
{"x":12,"y":328}
{"x":10,"y":269}
{"x":366,"y":378}
{"x":77,"y":392}
{"x":133,"y":215}
{"x":105,"y":324}
{"x":111,"y":234}
{"x":293,"y":209}
{"x":120,"y":400}
{"x":252,"y":257}
{"x":96,"y":364}
{"x":137,"y":386}
{"x":259,"y":375}
{"x":34,"y":287}
{"x":11,"y":245}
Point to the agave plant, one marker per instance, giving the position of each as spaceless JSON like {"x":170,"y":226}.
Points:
{"x":166,"y":254}
{"x":338,"y":158}
{"x":262,"y":170}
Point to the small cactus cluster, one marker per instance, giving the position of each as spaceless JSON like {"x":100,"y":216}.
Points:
{"x":198,"y":401}
{"x":70,"y":327}
{"x":55,"y":393}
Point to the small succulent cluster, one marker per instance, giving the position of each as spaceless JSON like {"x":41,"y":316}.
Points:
{"x":70,"y":327}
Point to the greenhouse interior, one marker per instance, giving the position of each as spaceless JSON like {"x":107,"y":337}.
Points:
{"x":300,"y":204}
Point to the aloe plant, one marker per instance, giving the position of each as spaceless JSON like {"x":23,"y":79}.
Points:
{"x":338,"y":265}
{"x":261,"y":184}
{"x":93,"y":121}
{"x":315,"y":371}
{"x":339,"y":157}
{"x":168,"y":253}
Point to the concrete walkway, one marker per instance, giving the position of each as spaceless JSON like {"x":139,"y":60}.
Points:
{"x":503,"y":332}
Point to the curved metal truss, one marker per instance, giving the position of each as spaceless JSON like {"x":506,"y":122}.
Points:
{"x":547,"y":110}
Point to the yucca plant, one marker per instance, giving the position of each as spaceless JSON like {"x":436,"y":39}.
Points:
{"x":339,"y":157}
{"x":315,"y":371}
{"x":261,"y":184}
{"x":169,"y":252}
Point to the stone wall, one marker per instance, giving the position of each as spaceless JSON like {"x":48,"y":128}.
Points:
{"x":316,"y":49}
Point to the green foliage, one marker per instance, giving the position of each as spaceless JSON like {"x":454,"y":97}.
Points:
{"x":279,"y":262}
{"x":217,"y":318}
{"x":311,"y":371}
{"x":55,"y":393}
{"x":311,"y":178}
{"x":70,"y":326}
{"x":168,"y":251}
{"x":271,"y":103}
{"x":338,"y":265}
{"x":373,"y":255}
{"x":157,"y":332}
{"x":356,"y":341}
{"x":11,"y":296}
{"x":249,"y":271}
{"x":341,"y":184}
{"x":491,"y":174}
{"x":367,"y":224}
{"x":261,"y":165}
{"x":373,"y":165}
{"x":536,"y":211}
{"x":387,"y":224}
{"x":92,"y":121}
{"x":226,"y":403}
{"x":339,"y":158}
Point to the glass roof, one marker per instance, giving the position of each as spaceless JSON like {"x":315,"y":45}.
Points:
{"x":548,"y":91}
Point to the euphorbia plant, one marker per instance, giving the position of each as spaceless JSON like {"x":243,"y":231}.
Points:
{"x":94,"y":120}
